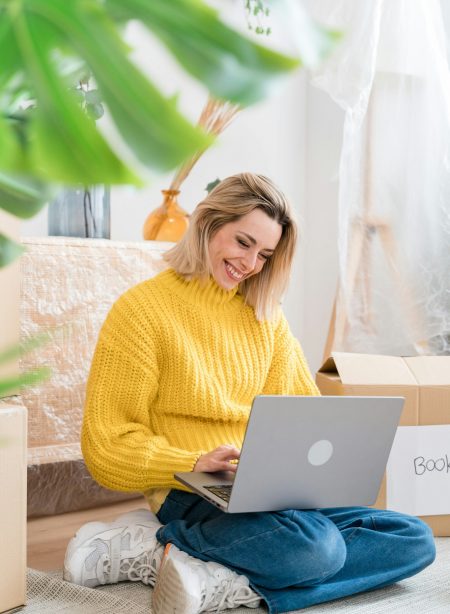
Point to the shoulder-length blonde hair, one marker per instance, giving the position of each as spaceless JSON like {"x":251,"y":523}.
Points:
{"x":230,"y":200}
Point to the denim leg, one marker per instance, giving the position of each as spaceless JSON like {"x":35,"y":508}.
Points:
{"x":383,"y":547}
{"x":295,"y":559}
{"x":273,"y":550}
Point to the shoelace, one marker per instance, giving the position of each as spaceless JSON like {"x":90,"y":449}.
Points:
{"x":227,"y":593}
{"x":234,"y":596}
{"x":143,"y":568}
{"x":138,"y":569}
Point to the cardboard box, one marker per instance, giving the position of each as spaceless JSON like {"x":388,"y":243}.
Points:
{"x":13,"y":508}
{"x":424,"y":381}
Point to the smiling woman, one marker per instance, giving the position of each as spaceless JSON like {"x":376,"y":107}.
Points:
{"x":240,"y":249}
{"x":244,"y":227}
{"x":178,"y":363}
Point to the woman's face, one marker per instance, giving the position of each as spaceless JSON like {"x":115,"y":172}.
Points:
{"x":240,"y":249}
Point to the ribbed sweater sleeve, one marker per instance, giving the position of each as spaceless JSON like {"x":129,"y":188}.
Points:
{"x":119,"y":447}
{"x":289,"y":372}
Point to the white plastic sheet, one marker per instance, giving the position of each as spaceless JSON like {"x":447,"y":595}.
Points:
{"x":68,"y":286}
{"x":391,"y":76}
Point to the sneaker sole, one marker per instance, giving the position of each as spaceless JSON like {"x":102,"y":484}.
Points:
{"x":169,"y":595}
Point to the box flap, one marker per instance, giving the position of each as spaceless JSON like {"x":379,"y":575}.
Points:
{"x":372,"y":369}
{"x":328,"y":366}
{"x":430,"y":370}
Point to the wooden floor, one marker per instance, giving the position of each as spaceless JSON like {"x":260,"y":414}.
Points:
{"x":48,"y":536}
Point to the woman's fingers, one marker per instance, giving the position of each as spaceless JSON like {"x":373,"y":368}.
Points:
{"x":218,"y":459}
{"x":228,"y":452}
{"x":228,"y":467}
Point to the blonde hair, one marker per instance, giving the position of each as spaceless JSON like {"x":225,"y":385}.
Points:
{"x":230,"y":200}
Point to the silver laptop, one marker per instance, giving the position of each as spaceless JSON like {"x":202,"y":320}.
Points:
{"x":305,"y":453}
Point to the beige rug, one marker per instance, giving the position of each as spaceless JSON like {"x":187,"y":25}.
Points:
{"x":426,"y":593}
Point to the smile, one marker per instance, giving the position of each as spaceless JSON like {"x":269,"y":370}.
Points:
{"x":233,"y":272}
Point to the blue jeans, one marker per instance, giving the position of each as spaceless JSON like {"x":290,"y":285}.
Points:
{"x":295,"y":559}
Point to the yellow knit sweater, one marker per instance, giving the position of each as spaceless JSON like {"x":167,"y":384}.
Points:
{"x":174,"y":374}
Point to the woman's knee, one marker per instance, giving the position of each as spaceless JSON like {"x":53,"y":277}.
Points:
{"x":418,"y":546}
{"x":314,"y":549}
{"x":422,"y":542}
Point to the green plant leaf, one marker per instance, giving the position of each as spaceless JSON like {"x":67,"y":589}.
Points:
{"x":25,"y":347}
{"x":11,"y":385}
{"x":13,"y":92}
{"x":9,"y":149}
{"x":151,"y":126}
{"x":43,"y":43}
{"x":230,"y":65}
{"x":21,"y":196}
{"x":9,"y":67}
{"x":9,"y":250}
{"x":9,"y":54}
{"x":34,"y":376}
{"x":212,"y":184}
{"x":64,"y":145}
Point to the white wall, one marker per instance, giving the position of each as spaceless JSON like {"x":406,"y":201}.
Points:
{"x":323,"y":143}
{"x":294,"y":138}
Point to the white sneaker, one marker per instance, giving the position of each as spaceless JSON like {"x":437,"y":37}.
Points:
{"x":186,"y":585}
{"x":125,"y":549}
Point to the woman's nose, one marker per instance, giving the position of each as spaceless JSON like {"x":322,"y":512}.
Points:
{"x":250,"y":261}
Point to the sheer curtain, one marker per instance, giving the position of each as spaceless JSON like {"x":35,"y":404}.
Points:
{"x":391,"y":77}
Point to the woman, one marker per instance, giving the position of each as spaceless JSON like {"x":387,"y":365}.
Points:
{"x":178,"y":362}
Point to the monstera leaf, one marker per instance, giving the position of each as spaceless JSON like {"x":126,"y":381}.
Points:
{"x":55,"y":142}
{"x":62,"y":144}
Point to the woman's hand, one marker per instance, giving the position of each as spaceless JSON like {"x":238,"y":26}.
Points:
{"x":218,"y":460}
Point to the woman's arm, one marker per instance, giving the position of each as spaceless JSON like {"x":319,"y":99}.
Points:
{"x":120,"y":449}
{"x":289,"y":372}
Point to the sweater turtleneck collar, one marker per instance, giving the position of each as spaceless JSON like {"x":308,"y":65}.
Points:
{"x":196,"y":291}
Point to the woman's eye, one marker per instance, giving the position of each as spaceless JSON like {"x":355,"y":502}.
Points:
{"x":243,"y":243}
{"x":264,"y":256}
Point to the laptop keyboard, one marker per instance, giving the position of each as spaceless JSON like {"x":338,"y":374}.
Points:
{"x":223,"y":491}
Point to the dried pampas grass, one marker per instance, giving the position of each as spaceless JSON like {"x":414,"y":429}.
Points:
{"x":215,"y":117}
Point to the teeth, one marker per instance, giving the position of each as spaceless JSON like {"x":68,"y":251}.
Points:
{"x":233,"y":271}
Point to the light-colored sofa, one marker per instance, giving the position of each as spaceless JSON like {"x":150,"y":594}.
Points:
{"x":67,"y":287}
